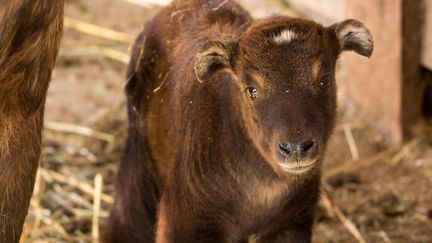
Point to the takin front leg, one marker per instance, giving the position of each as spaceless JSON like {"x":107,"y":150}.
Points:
{"x":297,"y":230}
{"x":178,"y":222}
{"x":297,"y":226}
{"x":137,"y":195}
{"x":30,"y":33}
{"x":172,"y":231}
{"x":293,"y":235}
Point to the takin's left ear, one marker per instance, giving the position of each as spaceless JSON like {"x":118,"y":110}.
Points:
{"x":354,"y":36}
{"x":214,"y":56}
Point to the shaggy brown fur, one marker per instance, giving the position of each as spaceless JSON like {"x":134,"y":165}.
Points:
{"x":229,"y":119}
{"x":29,"y":39}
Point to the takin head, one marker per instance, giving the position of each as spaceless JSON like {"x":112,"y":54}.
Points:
{"x":284,"y":69}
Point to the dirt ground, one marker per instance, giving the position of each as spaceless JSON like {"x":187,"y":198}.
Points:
{"x":383,"y":196}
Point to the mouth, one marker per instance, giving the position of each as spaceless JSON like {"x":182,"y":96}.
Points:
{"x":297,"y":167}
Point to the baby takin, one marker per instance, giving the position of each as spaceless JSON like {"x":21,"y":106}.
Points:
{"x":229,"y":120}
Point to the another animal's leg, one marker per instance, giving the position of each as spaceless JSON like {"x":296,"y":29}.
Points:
{"x":30,"y":33}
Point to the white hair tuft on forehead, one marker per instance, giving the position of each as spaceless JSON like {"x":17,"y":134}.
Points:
{"x":285,"y":36}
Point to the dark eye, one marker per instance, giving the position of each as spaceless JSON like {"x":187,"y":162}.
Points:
{"x":252,"y":92}
{"x":325,"y":83}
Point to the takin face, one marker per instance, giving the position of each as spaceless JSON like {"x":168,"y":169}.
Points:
{"x":284,"y":69}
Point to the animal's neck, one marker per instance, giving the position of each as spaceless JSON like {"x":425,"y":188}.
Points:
{"x":218,"y":164}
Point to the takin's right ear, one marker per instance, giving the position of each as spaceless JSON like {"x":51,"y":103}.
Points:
{"x":353,"y":36}
{"x":214,"y":56}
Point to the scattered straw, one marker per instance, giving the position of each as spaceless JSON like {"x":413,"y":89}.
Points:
{"x":351,"y":142}
{"x":220,"y":5}
{"x":334,"y":210}
{"x":384,"y":236}
{"x":95,"y":30}
{"x":161,"y":83}
{"x":327,"y":204}
{"x":404,"y":151}
{"x":72,"y":181}
{"x":96,"y":207}
{"x":107,"y":52}
{"x":349,"y":225}
{"x":349,"y":167}
{"x":80,"y":130}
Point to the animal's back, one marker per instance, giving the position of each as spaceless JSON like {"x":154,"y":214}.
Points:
{"x":173,"y":39}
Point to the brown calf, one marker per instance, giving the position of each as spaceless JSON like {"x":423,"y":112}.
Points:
{"x":30,"y":32}
{"x":229,"y":120}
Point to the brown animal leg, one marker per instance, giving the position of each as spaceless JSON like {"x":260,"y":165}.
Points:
{"x":291,"y":235}
{"x":134,"y":216}
{"x":176,"y":225}
{"x":288,"y":237}
{"x":30,"y":33}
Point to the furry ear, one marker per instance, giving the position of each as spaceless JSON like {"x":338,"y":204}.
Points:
{"x":354,"y":36}
{"x":214,"y":56}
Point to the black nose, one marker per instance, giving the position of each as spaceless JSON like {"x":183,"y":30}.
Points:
{"x":297,"y":151}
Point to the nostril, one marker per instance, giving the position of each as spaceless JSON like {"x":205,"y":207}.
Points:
{"x":297,"y":150}
{"x":307,"y":145}
{"x":284,"y":148}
